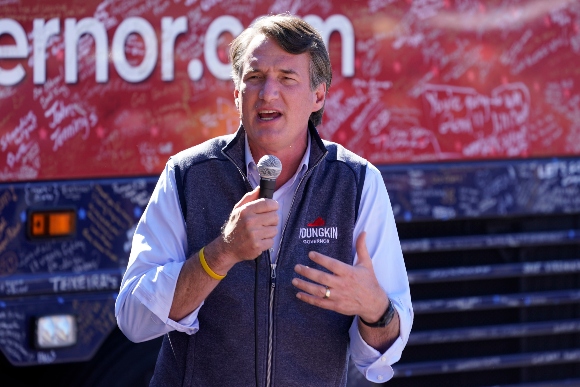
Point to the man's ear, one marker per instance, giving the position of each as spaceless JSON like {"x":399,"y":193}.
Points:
{"x":237,"y":98}
{"x":320,"y":97}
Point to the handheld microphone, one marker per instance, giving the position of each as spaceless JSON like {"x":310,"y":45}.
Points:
{"x":269,"y":168}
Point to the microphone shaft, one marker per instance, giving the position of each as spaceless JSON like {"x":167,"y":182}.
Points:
{"x":267,"y":188}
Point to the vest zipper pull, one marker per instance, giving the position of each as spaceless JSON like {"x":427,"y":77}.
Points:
{"x":273,"y":272}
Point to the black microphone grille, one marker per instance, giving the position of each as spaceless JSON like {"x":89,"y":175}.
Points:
{"x":269,"y":167}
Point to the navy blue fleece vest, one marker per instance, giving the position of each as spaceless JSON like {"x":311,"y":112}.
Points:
{"x":309,"y":344}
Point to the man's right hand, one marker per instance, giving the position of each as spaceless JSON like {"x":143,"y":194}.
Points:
{"x":249,"y":230}
{"x":251,"y":227}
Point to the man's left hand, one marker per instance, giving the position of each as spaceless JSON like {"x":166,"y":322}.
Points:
{"x":352,"y":290}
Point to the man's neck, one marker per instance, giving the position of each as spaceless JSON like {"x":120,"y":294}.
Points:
{"x":290,"y":158}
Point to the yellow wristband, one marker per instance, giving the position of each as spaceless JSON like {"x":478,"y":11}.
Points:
{"x":206,"y":267}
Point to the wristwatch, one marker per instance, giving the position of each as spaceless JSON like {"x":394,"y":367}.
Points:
{"x":385,"y":318}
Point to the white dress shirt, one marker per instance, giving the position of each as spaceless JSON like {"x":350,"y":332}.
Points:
{"x":160,"y":244}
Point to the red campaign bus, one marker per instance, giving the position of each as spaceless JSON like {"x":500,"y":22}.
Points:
{"x":470,"y":109}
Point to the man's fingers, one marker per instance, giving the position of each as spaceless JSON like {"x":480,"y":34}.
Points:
{"x":315,"y":275}
{"x":334,"y":265}
{"x":261,"y":206}
{"x":316,"y":301}
{"x":268,"y":232}
{"x":364,"y":257}
{"x":252,"y":225}
{"x":352,"y":290}
{"x":313,"y":294}
{"x":309,"y":287}
{"x":249,"y":197}
{"x":257,"y":205}
{"x":269,"y":219}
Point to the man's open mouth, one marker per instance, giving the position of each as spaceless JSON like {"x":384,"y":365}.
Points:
{"x":268,"y":115}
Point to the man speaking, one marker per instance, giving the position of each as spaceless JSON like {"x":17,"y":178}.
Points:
{"x":253,"y":291}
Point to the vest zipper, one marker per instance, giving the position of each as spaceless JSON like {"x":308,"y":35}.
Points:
{"x":273,"y":277}
{"x":271,"y":320}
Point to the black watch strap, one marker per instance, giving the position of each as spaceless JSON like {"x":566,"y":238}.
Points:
{"x":385,"y":318}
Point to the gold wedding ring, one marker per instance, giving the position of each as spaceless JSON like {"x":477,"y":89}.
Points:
{"x":327,"y":293}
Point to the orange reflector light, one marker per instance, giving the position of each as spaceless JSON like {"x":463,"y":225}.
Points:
{"x":45,"y":224}
{"x":60,"y":224}
{"x":38,"y":224}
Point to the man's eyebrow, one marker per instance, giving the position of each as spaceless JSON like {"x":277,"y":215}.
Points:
{"x":288,"y":71}
{"x":250,"y":70}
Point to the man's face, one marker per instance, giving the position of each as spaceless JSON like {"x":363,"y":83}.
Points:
{"x":274,"y":98}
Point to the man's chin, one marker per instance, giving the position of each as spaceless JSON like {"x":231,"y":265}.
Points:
{"x":266,"y":132}
{"x":267,"y":140}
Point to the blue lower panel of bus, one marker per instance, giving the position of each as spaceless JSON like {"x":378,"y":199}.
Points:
{"x":81,"y":273}
{"x":93,"y":313}
{"x":78,"y":273}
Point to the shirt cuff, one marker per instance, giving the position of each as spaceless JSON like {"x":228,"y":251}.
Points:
{"x":376,"y":367}
{"x":159,"y":302}
{"x":189,"y":324}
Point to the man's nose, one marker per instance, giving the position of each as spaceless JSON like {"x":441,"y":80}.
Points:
{"x":269,"y":90}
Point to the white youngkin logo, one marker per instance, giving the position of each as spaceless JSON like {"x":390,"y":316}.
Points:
{"x":318,"y":234}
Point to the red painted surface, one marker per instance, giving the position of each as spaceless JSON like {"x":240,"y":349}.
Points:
{"x":433,"y":81}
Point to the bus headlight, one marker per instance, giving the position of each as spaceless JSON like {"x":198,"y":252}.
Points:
{"x":56,"y":331}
